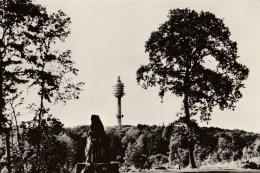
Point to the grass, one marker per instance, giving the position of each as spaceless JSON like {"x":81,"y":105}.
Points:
{"x":222,"y":167}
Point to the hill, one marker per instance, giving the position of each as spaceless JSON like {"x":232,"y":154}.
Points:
{"x":139,"y":147}
{"x":145,"y":147}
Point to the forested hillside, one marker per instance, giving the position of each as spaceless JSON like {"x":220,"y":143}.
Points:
{"x":141,"y":146}
{"x":145,"y":147}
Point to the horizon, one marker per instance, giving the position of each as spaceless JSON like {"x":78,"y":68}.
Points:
{"x":107,"y":40}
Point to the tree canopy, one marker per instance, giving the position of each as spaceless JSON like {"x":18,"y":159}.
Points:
{"x":178,"y":55}
{"x":14,"y":22}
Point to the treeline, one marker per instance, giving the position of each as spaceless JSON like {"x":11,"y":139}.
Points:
{"x":140,"y":147}
{"x":37,"y":149}
{"x":145,"y":147}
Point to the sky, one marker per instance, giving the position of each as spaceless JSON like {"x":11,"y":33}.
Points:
{"x":107,"y":40}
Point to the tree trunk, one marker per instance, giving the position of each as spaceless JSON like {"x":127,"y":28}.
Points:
{"x":18,"y":139}
{"x":2,"y":101}
{"x":192,"y":163}
{"x":40,"y":115}
{"x":191,"y":142}
{"x":9,"y":168}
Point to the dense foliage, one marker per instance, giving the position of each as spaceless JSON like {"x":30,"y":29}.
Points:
{"x":145,"y":147}
{"x":139,"y":147}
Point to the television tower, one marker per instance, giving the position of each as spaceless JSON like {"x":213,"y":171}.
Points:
{"x":119,"y":93}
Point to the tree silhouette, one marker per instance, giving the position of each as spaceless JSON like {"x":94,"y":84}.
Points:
{"x":179,"y":55}
{"x":14,"y":17}
{"x":27,"y":58}
{"x":50,"y":71}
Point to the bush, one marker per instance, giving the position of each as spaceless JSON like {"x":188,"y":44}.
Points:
{"x":158,"y":160}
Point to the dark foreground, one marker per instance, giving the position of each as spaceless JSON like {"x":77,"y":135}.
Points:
{"x":204,"y":171}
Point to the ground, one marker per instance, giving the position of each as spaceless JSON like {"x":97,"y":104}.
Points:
{"x":204,"y":171}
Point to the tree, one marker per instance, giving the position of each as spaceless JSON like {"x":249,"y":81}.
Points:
{"x":158,"y":160}
{"x":51,"y":71}
{"x":225,"y":147}
{"x":79,"y":136}
{"x":14,"y":18}
{"x":27,"y":37}
{"x":178,"y":145}
{"x":53,"y":151}
{"x":179,"y":52}
{"x":177,"y":155}
{"x":130,"y":136}
{"x":115,"y":148}
{"x":136,"y":153}
{"x":14,"y":22}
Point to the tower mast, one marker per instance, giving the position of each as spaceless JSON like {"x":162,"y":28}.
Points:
{"x":119,"y":93}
